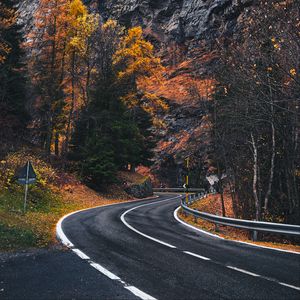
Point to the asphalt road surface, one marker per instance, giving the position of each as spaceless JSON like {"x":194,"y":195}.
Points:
{"x":143,"y":245}
{"x":138,"y":250}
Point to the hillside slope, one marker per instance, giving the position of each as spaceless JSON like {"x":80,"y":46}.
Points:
{"x":55,"y":194}
{"x":184,"y":33}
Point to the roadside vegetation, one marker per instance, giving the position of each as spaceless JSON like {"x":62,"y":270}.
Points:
{"x":255,"y":114}
{"x":212,"y":205}
{"x":55,"y":194}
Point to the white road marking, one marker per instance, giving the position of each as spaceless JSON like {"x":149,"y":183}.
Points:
{"x":196,"y":255}
{"x":243,"y":271}
{"x":290,"y":286}
{"x":264,"y":277}
{"x":139,"y":293}
{"x":141,"y":233}
{"x":104,"y":271}
{"x":65,"y":241}
{"x":61,"y":236}
{"x":219,"y":237}
{"x":191,"y":226}
{"x":191,"y":253}
{"x":80,"y":254}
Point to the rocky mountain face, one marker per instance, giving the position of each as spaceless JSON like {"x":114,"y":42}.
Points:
{"x":177,"y":20}
{"x":184,"y":33}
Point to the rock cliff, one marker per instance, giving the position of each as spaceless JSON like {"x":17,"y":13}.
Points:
{"x":184,"y":33}
{"x":176,"y":20}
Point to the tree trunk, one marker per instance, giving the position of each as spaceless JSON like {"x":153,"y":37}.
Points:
{"x":56,"y":143}
{"x":255,"y":179}
{"x":267,"y":196}
{"x":69,"y":123}
{"x":49,"y":136}
{"x":221,"y":191}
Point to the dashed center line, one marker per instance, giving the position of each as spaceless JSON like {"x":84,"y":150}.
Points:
{"x":264,"y":277}
{"x":290,"y":286}
{"x":141,"y":233}
{"x":61,"y":235}
{"x":133,"y":289}
{"x":243,"y":271}
{"x":196,"y":255}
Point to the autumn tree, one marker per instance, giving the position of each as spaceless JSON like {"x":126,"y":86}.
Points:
{"x":80,"y":27}
{"x":123,"y":127}
{"x":135,"y":63}
{"x":46,"y":48}
{"x":56,"y":46}
{"x":257,"y":107}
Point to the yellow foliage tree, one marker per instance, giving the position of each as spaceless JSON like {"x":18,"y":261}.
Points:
{"x":135,"y":57}
{"x":135,"y":61}
{"x":81,"y":25}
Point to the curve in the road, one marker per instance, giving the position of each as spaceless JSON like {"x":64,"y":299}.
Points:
{"x":63,"y":238}
{"x":141,"y":233}
{"x":195,"y":254}
{"x":173,"y":273}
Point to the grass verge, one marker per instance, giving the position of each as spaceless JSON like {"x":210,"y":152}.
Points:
{"x":53,"y":195}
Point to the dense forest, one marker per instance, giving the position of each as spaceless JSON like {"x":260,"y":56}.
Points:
{"x":70,"y":85}
{"x":256,"y":113}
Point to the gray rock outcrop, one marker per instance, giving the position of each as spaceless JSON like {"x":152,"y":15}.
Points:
{"x":142,"y":190}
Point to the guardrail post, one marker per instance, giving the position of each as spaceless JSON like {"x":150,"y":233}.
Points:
{"x":254,"y":235}
{"x":217,"y":228}
{"x":183,"y":211}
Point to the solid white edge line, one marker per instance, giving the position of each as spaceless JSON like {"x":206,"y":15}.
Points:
{"x":139,"y":293}
{"x":62,"y":237}
{"x":290,"y":286}
{"x":244,"y":271}
{"x":65,"y":241}
{"x":219,"y":237}
{"x":141,"y":233}
{"x":80,"y":254}
{"x":175,"y":214}
{"x":196,"y":255}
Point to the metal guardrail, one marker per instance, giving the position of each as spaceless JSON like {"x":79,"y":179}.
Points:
{"x":254,"y":226}
{"x":180,"y":190}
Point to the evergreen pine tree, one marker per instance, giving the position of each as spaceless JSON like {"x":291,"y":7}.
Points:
{"x":111,"y":134}
{"x":13,"y":116}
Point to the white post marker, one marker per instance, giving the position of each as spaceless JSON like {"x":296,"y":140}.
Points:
{"x":26,"y":176}
{"x":26,"y":187}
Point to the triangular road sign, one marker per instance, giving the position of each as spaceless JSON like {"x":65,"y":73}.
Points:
{"x":22,"y":174}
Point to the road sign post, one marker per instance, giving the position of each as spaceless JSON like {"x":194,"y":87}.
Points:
{"x":26,"y":176}
{"x":187,"y":181}
{"x":26,"y":187}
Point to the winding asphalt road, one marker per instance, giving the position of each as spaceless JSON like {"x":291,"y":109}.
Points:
{"x":142,"y":248}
